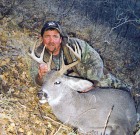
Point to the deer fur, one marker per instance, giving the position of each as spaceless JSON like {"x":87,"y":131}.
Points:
{"x":89,"y":112}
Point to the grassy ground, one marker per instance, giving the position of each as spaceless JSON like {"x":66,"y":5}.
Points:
{"x":20,"y":112}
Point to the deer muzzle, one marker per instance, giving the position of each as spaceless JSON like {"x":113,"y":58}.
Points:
{"x":42,"y":97}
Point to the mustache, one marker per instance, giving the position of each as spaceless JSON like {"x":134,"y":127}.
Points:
{"x":51,"y":44}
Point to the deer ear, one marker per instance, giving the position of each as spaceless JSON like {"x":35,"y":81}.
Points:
{"x":80,"y":85}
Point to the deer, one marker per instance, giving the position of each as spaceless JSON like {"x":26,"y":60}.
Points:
{"x":102,"y":111}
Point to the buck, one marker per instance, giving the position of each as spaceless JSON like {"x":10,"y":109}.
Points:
{"x":99,"y":111}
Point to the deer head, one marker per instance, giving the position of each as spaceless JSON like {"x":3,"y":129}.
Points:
{"x":76,"y":51}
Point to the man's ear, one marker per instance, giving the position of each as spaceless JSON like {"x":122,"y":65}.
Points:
{"x":61,"y":39}
{"x":80,"y":85}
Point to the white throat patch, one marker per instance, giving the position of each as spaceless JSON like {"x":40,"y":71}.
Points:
{"x":56,"y":100}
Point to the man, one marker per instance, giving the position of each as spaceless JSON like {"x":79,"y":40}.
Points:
{"x":90,"y":67}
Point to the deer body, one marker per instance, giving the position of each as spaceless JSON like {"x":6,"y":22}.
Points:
{"x":99,"y":111}
{"x":89,"y":111}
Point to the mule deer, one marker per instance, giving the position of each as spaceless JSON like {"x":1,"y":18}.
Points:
{"x":99,"y":111}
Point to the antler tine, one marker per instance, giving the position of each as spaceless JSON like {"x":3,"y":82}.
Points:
{"x":77,"y":53}
{"x":32,"y":54}
{"x":40,"y":59}
{"x":49,"y":63}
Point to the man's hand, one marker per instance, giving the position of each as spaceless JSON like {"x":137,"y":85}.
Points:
{"x":43,"y":69}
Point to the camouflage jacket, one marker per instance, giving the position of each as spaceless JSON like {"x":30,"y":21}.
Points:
{"x":91,"y":65}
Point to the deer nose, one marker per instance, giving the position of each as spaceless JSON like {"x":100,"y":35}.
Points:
{"x":42,"y":95}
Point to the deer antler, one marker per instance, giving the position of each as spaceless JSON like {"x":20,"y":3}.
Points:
{"x":77,"y":53}
{"x":40,"y":59}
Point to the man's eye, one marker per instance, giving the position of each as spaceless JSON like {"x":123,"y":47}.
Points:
{"x":57,"y":82}
{"x":46,"y":36}
{"x":56,"y":36}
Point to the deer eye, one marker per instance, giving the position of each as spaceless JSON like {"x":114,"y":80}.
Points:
{"x":58,"y":82}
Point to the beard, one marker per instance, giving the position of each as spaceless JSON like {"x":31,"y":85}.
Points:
{"x":52,"y":47}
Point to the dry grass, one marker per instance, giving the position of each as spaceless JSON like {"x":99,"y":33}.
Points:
{"x":20,"y":112}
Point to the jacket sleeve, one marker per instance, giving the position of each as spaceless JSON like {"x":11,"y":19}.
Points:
{"x":91,"y":66}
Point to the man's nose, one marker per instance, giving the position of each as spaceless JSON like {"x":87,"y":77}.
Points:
{"x":51,"y":39}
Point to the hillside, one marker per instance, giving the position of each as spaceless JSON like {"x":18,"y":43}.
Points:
{"x":96,"y":22}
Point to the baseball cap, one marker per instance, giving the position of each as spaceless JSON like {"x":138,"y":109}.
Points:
{"x":51,"y":25}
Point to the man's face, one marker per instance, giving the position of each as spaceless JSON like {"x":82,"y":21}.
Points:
{"x":52,"y":41}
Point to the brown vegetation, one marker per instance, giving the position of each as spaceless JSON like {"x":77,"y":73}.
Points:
{"x":20,"y":112}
